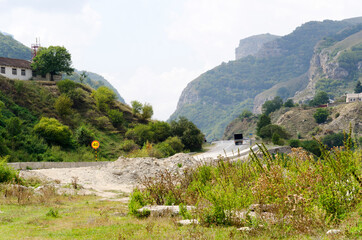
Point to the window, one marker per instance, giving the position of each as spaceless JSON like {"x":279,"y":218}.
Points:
{"x":22,"y":72}
{"x":14,"y":71}
{"x":3,"y":70}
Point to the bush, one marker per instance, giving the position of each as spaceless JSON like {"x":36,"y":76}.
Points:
{"x":165,"y":149}
{"x":161,"y":130}
{"x":66,"y":86}
{"x":272,"y":105}
{"x":189,"y":134}
{"x":175,"y":143}
{"x":267,"y":132}
{"x":289,"y":103}
{"x":103,"y":123}
{"x":147,"y":111}
{"x":321,"y":115}
{"x":137,"y":201}
{"x":294,"y":143}
{"x":116,"y":118}
{"x":7,"y":173}
{"x":129,"y":145}
{"x":54,"y":132}
{"x":311,"y":146}
{"x":245,"y":114}
{"x":333,"y":140}
{"x":263,"y":121}
{"x":276,"y":139}
{"x":104,"y":96}
{"x":63,"y":105}
{"x":84,"y":136}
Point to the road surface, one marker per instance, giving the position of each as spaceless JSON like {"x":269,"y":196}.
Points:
{"x":224,"y":148}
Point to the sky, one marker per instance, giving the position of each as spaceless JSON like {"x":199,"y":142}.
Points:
{"x":149,"y":50}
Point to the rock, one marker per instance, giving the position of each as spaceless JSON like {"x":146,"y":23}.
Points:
{"x":245,"y":229}
{"x":161,"y":210}
{"x":188,"y":222}
{"x":334,"y":232}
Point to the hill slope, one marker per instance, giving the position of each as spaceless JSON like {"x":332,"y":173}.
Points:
{"x":11,"y":48}
{"x":216,"y":97}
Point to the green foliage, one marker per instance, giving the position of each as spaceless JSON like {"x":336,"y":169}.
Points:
{"x":7,"y":173}
{"x":276,"y":139}
{"x":136,"y":107}
{"x":54,"y":132}
{"x":349,"y":60}
{"x":116,"y":118}
{"x":104,"y":96}
{"x":63,"y":105}
{"x":129,"y":145}
{"x":53,"y":213}
{"x":137,"y":201}
{"x":289,"y":103}
{"x":161,"y":130}
{"x":13,"y":126}
{"x":147,"y":111}
{"x":272,"y":105}
{"x":175,"y":143}
{"x":358,"y":88}
{"x":189,"y":134}
{"x":311,"y":146}
{"x":165,"y":149}
{"x":319,"y":99}
{"x":84,"y":136}
{"x":263,"y":121}
{"x":334,"y":140}
{"x":321,"y":115}
{"x":11,"y":48}
{"x":66,"y":86}
{"x":245,"y":114}
{"x":184,"y":213}
{"x":294,"y":143}
{"x":140,"y":134}
{"x":53,"y":60}
{"x":269,"y":130}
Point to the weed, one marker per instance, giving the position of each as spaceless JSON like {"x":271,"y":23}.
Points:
{"x":52,"y":213}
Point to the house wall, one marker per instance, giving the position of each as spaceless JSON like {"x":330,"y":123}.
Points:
{"x":47,"y":77}
{"x":9,"y":73}
{"x":354,"y":97}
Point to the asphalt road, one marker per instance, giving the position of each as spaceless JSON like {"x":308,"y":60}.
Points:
{"x":223,"y":148}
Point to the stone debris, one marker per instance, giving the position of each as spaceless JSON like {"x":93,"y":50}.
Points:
{"x":333,"y":232}
{"x":188,"y":222}
{"x":245,"y":229}
{"x":161,"y":210}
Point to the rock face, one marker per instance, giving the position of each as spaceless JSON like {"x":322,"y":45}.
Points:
{"x":251,"y":45}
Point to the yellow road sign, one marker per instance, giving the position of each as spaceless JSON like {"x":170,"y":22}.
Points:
{"x":95,"y":144}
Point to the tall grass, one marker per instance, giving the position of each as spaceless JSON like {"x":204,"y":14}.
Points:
{"x":306,"y":193}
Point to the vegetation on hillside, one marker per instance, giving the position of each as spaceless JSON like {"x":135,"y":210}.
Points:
{"x":221,"y":91}
{"x":10,"y":48}
{"x":47,"y":121}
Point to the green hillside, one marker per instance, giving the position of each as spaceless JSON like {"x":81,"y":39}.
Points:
{"x":93,"y":80}
{"x":11,"y":48}
{"x":220,"y":94}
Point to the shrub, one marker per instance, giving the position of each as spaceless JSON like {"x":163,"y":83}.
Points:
{"x":175,"y":143}
{"x":129,"y":145}
{"x":263,"y":121}
{"x":311,"y":146}
{"x":66,"y":86}
{"x":245,"y":114}
{"x":161,"y":130}
{"x":165,"y":149}
{"x":13,"y":126}
{"x":84,"y":136}
{"x":137,"y":201}
{"x":269,"y":130}
{"x":147,"y":111}
{"x":63,"y":105}
{"x":7,"y":173}
{"x":189,"y":134}
{"x":272,"y":105}
{"x":103,"y":123}
{"x":294,"y":143}
{"x":333,"y":140}
{"x":136,"y":107}
{"x":116,"y":118}
{"x":321,"y":115}
{"x":53,"y":213}
{"x":276,"y":139}
{"x":289,"y":103}
{"x":54,"y":132}
{"x":104,"y":96}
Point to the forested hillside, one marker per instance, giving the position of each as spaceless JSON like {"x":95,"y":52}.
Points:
{"x":11,"y":48}
{"x":216,"y":97}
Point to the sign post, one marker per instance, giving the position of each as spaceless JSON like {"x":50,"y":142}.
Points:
{"x":95,"y":145}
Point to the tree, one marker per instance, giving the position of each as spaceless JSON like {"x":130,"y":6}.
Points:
{"x":269,"y":130}
{"x":147,"y":111}
{"x":104,"y":96}
{"x":53,"y":60}
{"x":321,"y":115}
{"x":245,"y":114}
{"x":83,"y":76}
{"x":136,"y":107}
{"x":54,"y":132}
{"x":264,"y":120}
{"x":116,"y":118}
{"x":319,"y":99}
{"x":189,"y":134}
{"x":63,"y":105}
{"x":289,"y":103}
{"x":358,"y":88}
{"x":272,"y":105}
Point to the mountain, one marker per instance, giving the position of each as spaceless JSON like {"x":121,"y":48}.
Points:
{"x":280,"y":66}
{"x":251,"y":45}
{"x":93,"y":80}
{"x":11,"y":48}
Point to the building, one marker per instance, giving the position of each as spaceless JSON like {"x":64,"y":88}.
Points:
{"x":354,"y":97}
{"x":15,"y":68}
{"x":21,"y":69}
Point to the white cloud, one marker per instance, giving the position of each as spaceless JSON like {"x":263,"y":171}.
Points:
{"x":75,"y":31}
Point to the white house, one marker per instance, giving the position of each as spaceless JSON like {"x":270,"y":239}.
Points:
{"x":354,"y":97}
{"x":15,"y":68}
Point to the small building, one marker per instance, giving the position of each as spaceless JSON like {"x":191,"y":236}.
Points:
{"x":15,"y":68}
{"x":21,"y":69}
{"x":354,"y":97}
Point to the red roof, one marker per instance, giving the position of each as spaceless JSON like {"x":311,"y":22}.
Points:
{"x":12,"y":62}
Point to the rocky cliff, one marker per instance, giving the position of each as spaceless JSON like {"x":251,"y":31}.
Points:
{"x":251,"y":45}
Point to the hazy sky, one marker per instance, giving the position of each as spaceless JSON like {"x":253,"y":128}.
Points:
{"x":151,"y":49}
